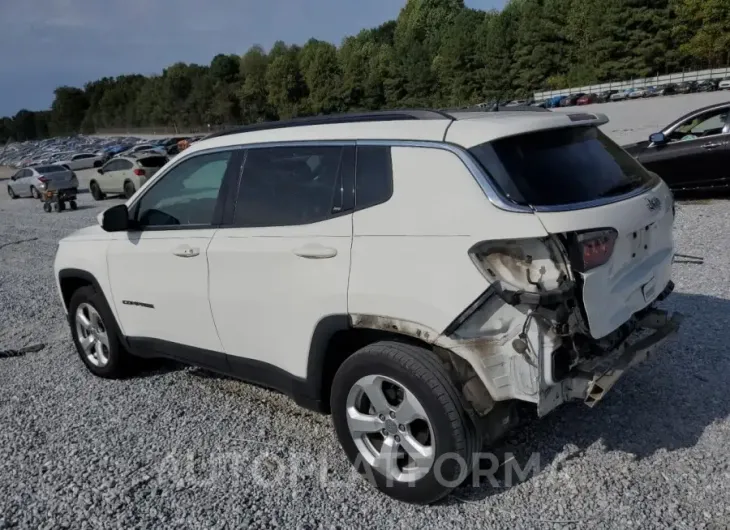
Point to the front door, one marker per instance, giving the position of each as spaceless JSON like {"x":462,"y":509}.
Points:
{"x":697,"y":155}
{"x":284,"y":264}
{"x":159,"y":272}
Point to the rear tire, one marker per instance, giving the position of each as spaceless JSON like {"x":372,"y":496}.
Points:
{"x":96,"y":191}
{"x":34,"y":193}
{"x":96,"y":335}
{"x":370,"y":430}
{"x":11,"y":193}
{"x":47,"y":207}
{"x":73,"y":205}
{"x":129,"y":189}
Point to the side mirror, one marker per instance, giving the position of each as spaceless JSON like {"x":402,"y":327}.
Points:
{"x":100,"y":171}
{"x":658,"y":138}
{"x":115,"y":219}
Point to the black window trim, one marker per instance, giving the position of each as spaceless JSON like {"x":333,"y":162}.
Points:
{"x":389,"y":149}
{"x":230,"y":179}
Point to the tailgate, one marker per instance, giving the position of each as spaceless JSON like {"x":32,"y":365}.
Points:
{"x":639,"y":267}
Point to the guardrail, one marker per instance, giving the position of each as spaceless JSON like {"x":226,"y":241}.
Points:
{"x":697,"y":75}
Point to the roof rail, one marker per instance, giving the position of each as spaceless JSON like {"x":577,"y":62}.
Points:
{"x":384,"y":115}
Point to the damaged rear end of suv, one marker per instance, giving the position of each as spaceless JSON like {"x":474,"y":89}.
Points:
{"x":566,"y":315}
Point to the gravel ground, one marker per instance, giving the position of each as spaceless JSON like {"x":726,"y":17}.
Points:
{"x":177,"y":447}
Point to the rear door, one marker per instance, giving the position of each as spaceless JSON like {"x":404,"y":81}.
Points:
{"x":20,"y":187}
{"x":124,"y":171}
{"x":283,"y":264}
{"x":107,"y":176}
{"x":613,"y":216}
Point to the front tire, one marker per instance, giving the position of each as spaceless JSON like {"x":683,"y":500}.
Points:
{"x":402,"y":423}
{"x":96,"y":335}
{"x":11,"y":193}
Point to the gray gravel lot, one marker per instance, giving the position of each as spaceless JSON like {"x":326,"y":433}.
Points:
{"x":177,"y":447}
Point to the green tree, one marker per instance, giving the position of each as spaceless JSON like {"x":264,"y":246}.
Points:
{"x":285,"y":86}
{"x":68,"y":109}
{"x":322,"y":75}
{"x":225,"y":68}
{"x":253,"y":94}
{"x":703,"y":28}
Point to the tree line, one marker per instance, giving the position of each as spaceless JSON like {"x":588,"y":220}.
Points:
{"x":437,"y":53}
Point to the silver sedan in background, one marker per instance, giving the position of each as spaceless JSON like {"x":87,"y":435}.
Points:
{"x":34,"y":181}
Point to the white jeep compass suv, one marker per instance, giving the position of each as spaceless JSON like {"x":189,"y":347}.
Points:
{"x":416,"y":274}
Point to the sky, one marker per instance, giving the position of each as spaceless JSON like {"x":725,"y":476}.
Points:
{"x":48,"y":43}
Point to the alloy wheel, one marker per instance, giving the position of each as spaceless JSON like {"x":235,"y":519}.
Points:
{"x":390,"y":428}
{"x":92,"y":335}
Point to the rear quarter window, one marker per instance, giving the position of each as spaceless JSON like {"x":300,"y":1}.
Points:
{"x":563,"y":166}
{"x":374,"y":176}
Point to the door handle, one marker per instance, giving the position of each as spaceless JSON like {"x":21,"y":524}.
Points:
{"x":315,"y":252}
{"x":712,"y":145}
{"x":185,"y":251}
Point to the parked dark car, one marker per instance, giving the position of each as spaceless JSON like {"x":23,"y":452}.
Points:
{"x":667,"y":90}
{"x":687,"y":87}
{"x":691,"y":153}
{"x":571,"y":100}
{"x":707,"y":85}
{"x":604,"y":97}
{"x":587,"y":99}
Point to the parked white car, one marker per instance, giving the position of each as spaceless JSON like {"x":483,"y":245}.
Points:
{"x":415,"y":273}
{"x":82,"y":161}
{"x":34,"y":181}
{"x":637,"y":93}
{"x":124,"y":175}
{"x":724,"y":84}
{"x":620,"y":96}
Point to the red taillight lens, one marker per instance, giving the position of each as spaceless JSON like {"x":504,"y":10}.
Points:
{"x":594,"y":249}
{"x":140,"y":172}
{"x":42,"y":179}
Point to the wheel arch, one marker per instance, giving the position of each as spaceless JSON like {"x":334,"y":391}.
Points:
{"x":70,"y":280}
{"x":337,"y":337}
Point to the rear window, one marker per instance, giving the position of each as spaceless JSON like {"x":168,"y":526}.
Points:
{"x":562,"y":166}
{"x":152,"y":161}
{"x":45,"y":170}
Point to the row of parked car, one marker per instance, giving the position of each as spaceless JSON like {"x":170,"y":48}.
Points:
{"x":582,"y":98}
{"x":84,"y":152}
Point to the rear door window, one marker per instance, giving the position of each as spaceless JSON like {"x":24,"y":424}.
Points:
{"x":287,"y":186}
{"x":563,"y":166}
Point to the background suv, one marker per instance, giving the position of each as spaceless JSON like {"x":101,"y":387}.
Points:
{"x":124,"y":175}
{"x":416,"y":274}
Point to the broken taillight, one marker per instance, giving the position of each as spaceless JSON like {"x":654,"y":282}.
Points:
{"x":593,"y":249}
